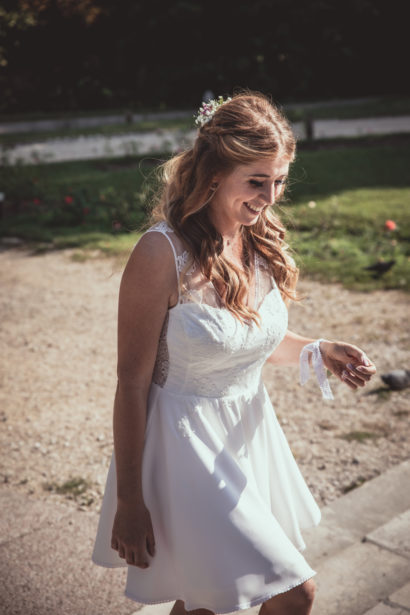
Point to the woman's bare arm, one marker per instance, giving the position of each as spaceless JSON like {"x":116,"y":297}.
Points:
{"x":148,"y":288}
{"x":288,"y":351}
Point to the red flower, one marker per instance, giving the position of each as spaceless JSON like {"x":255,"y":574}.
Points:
{"x":68,"y":199}
{"x":36,"y":201}
{"x":390,"y":225}
{"x":116,"y":225}
{"x":86,"y":210}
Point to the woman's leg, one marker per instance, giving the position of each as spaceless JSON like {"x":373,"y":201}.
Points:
{"x":179,"y":609}
{"x":296,"y":601}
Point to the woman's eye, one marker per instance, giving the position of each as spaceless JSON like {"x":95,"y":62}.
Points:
{"x":256,"y":184}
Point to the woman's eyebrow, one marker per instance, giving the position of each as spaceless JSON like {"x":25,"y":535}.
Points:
{"x":264,"y":175}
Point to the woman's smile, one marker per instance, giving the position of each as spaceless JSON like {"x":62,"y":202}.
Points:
{"x":254,"y":210}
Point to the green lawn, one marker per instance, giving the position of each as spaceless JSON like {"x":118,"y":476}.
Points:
{"x":337,"y":204}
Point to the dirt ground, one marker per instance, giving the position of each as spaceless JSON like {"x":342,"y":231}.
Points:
{"x":58,"y":376}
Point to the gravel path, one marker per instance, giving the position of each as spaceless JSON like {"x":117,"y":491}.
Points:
{"x":58,"y":343}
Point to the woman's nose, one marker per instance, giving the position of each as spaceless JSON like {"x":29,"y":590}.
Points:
{"x":269,"y":193}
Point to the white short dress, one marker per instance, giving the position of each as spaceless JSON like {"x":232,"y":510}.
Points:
{"x":227,"y":500}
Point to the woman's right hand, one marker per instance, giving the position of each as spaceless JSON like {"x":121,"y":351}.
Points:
{"x":132,"y":534}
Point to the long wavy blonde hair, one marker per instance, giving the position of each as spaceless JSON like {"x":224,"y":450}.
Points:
{"x":242,"y":131}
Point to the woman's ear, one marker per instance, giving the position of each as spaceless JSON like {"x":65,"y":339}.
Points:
{"x":216,"y":179}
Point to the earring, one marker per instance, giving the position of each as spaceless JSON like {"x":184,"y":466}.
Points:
{"x":214,"y":185}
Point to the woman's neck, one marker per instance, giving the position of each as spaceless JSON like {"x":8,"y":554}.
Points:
{"x":230,"y":233}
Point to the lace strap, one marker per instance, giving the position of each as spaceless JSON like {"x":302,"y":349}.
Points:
{"x":318,"y":366}
{"x":257,"y":279}
{"x":164,"y":229}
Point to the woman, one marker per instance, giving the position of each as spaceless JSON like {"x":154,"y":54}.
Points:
{"x":204,"y":501}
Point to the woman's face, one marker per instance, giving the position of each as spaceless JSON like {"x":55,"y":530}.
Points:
{"x":244,"y":193}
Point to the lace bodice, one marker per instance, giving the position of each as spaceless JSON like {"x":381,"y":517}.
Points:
{"x":203,"y":349}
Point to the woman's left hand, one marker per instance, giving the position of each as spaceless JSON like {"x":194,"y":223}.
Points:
{"x":347,"y":362}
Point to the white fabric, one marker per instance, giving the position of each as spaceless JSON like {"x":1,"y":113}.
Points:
{"x":226,"y":497}
{"x":318,"y":366}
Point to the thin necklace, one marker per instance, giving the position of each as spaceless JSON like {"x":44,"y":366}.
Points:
{"x":229,"y":240}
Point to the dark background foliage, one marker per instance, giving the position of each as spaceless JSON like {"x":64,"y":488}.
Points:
{"x":60,"y":55}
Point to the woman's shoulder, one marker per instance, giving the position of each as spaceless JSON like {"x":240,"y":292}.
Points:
{"x":168,"y":238}
{"x":153,"y":253}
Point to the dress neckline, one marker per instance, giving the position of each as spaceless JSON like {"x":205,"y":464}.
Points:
{"x":221,"y":309}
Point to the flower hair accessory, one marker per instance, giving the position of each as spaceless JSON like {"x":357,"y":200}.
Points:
{"x":207,"y":110}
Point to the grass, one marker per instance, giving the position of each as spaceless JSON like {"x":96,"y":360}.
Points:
{"x":354,"y":484}
{"x":337,"y":205}
{"x":72,"y":489}
{"x":341,"y":199}
{"x":360,"y":436}
{"x":344,"y":233}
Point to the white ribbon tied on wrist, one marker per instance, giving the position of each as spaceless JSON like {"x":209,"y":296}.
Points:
{"x":318,"y":366}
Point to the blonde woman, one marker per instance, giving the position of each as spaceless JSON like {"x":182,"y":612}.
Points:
{"x":204,"y":501}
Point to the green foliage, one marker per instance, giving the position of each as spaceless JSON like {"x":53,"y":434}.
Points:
{"x":339,"y":200}
{"x":115,"y":54}
{"x":45,"y":200}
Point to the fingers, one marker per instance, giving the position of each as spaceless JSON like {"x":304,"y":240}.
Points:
{"x":151,"y":545}
{"x":357,"y":376}
{"x":367,"y":372}
{"x":353,"y":353}
{"x":130,"y":557}
{"x":114,"y":543}
{"x":133,"y":535}
{"x":135,"y":556}
{"x":350,"y":363}
{"x":348,"y":379}
{"x":363,"y":363}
